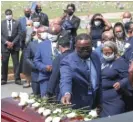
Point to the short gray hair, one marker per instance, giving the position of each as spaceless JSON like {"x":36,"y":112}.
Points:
{"x":111,"y":45}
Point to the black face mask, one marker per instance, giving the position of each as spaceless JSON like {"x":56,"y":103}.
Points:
{"x":70,"y":12}
{"x":38,"y":10}
{"x":84,"y":53}
{"x":27,"y":15}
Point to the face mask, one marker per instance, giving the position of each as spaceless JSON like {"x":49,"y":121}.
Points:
{"x":44,"y":35}
{"x":8,"y":17}
{"x":52,"y":37}
{"x":36,"y":24}
{"x":97,"y":22}
{"x":126,"y":20}
{"x":109,"y":58}
{"x":27,"y":15}
{"x":70,"y":12}
{"x":119,"y":35}
{"x":38,"y":10}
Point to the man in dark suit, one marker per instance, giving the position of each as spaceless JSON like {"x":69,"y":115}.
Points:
{"x":73,"y":20}
{"x":10,"y":35}
{"x":43,"y":17}
{"x":64,"y":47}
{"x":80,"y":81}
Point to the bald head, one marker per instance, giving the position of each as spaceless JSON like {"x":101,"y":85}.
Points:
{"x":127,"y":17}
{"x":38,"y":8}
{"x":108,"y":35}
{"x":27,"y":12}
{"x":127,"y":14}
{"x":56,"y":21}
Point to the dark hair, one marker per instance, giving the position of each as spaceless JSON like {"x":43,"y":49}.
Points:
{"x":36,"y":16}
{"x":123,"y":29}
{"x":71,"y":5}
{"x":83,"y":36}
{"x":64,"y":39}
{"x":8,"y":10}
{"x":128,"y":26}
{"x":93,"y":18}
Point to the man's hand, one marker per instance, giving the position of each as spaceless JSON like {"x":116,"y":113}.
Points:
{"x":66,"y":99}
{"x":48,"y":68}
{"x":9,"y":45}
{"x":116,"y":86}
{"x":99,"y":109}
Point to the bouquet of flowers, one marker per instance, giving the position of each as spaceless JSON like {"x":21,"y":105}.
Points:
{"x":52,"y":111}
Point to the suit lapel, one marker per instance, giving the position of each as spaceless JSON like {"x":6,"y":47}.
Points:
{"x":13,"y":24}
{"x":5,"y":24}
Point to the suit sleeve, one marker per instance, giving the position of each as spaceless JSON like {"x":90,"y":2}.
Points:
{"x":38,"y":60}
{"x":123,"y":73}
{"x":76,"y":24}
{"x":29,"y":56}
{"x":45,"y":21}
{"x":66,"y":77}
{"x":3,"y":39}
{"x":54,"y":78}
{"x":17,"y":38}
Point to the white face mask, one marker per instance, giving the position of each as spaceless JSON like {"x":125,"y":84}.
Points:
{"x":52,"y":37}
{"x":109,"y":58}
{"x":97,"y":22}
{"x":8,"y":17}
{"x":36,"y":24}
{"x":44,"y":35}
{"x":126,"y":20}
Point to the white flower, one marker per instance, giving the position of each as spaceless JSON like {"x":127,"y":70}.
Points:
{"x":14,"y":94}
{"x":40,"y":110}
{"x":93,"y":113}
{"x":35,"y":105}
{"x":56,"y":119}
{"x":24,"y":96}
{"x":31,"y":101}
{"x":49,"y":119}
{"x":58,"y":110}
{"x":46,"y":112}
{"x":87,"y":119}
{"x":71,"y":115}
{"x":22,"y":103}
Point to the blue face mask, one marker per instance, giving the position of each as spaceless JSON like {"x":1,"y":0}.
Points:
{"x":109,"y":58}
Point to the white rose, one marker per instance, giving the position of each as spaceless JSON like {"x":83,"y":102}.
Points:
{"x":71,"y":115}
{"x":57,"y":111}
{"x":49,"y":119}
{"x":40,"y":110}
{"x":14,"y":94}
{"x":87,"y":119}
{"x":22,"y":103}
{"x":31,"y":101}
{"x":35,"y":105}
{"x":56,"y":119}
{"x":46,"y":112}
{"x":24,"y":96}
{"x":93,"y":113}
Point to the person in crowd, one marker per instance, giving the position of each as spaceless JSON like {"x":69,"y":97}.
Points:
{"x":64,"y":48}
{"x":106,"y":36}
{"x":97,"y":26}
{"x":10,"y":36}
{"x":114,"y":72}
{"x":128,"y":56}
{"x":71,"y":22}
{"x":24,"y":22}
{"x":120,"y":37}
{"x":126,"y":17}
{"x":131,"y":73}
{"x":44,"y":56}
{"x":80,"y":71}
{"x":43,"y":17}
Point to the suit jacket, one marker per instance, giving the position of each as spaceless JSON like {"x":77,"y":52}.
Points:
{"x":43,"y":17}
{"x":75,"y":21}
{"x":29,"y":57}
{"x":43,"y":57}
{"x":16,"y":30}
{"x":53,"y":85}
{"x":75,"y":80}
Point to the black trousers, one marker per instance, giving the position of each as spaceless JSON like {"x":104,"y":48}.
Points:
{"x":5,"y":60}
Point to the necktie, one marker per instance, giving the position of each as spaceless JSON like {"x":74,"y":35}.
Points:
{"x":9,"y":26}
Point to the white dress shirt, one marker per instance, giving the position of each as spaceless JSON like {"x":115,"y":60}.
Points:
{"x":9,"y":31}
